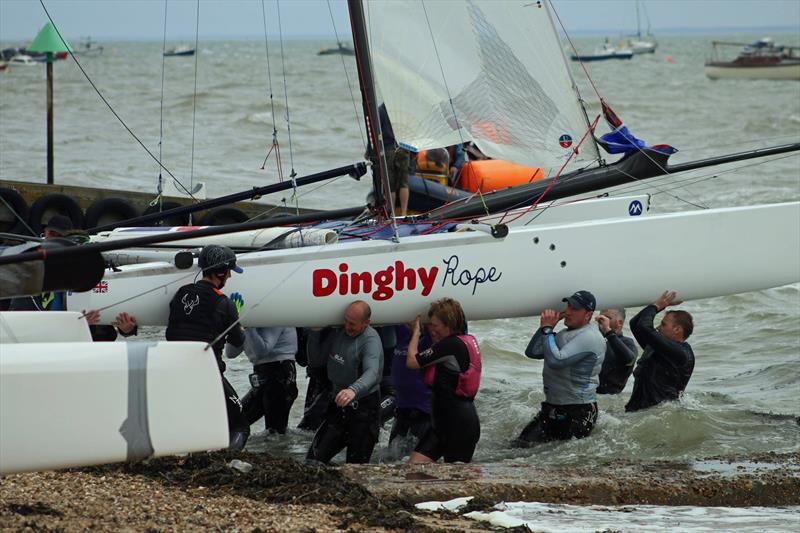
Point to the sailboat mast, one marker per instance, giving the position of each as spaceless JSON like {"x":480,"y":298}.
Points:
{"x":367,"y":83}
{"x":638,"y":22}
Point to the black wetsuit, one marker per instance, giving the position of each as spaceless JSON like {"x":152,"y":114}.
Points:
{"x":618,"y":363}
{"x":200,"y":312}
{"x":455,"y":429}
{"x":663,"y":370}
{"x":314,"y":347}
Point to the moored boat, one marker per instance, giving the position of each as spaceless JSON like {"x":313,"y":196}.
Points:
{"x":180,"y":51}
{"x":605,"y":52}
{"x":761,"y":60}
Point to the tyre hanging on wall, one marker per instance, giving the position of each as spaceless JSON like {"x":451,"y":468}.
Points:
{"x":109,"y":211}
{"x":174,"y":220}
{"x":223,"y":215}
{"x":13,"y":212}
{"x":49,"y":205}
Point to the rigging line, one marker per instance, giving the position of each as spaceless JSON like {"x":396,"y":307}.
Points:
{"x":701,"y":206}
{"x":194,"y":98}
{"x":575,"y":50}
{"x":113,"y":112}
{"x":444,"y":81}
{"x":349,"y":84}
{"x":308,"y":191}
{"x":271,"y":94}
{"x":286,"y":95}
{"x":160,"y":183}
{"x":574,"y":152}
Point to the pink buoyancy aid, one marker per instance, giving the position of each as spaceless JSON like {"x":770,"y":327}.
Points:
{"x":468,"y":381}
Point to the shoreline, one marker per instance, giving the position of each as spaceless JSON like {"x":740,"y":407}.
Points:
{"x":201,"y":491}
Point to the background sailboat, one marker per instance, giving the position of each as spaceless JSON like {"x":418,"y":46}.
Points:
{"x":642,"y":44}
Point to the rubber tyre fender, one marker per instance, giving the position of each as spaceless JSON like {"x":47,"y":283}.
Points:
{"x":175,"y":220}
{"x":115,"y":209}
{"x":45,"y":206}
{"x":223,"y":215}
{"x":20,"y":207}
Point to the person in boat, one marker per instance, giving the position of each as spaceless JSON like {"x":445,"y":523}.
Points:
{"x":620,"y":355}
{"x":315,"y":345}
{"x":274,"y":378}
{"x":666,"y":365}
{"x":354,"y":363}
{"x":412,"y":415}
{"x":452,"y":369}
{"x":201,"y":312}
{"x":572,"y":362}
{"x":398,"y":161}
{"x":457,"y":158}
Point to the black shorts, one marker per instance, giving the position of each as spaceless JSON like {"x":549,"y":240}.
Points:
{"x":559,"y":422}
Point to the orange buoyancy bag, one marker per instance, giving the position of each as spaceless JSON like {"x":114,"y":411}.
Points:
{"x":493,"y":174}
{"x":469,"y":381}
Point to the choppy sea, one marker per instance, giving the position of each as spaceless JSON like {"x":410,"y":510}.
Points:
{"x":744,"y":396}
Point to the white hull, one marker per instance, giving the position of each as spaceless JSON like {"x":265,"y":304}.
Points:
{"x":773,"y":72}
{"x":700,"y":254}
{"x":83,"y":403}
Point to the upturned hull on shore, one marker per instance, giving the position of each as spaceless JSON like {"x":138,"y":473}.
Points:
{"x":700,"y":254}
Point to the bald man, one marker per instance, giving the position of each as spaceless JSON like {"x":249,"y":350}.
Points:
{"x":355,"y":367}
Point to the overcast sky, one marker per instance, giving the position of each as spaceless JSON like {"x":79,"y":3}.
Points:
{"x":20,"y":20}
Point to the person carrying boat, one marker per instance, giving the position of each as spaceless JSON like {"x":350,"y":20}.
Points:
{"x":201,"y":312}
{"x":355,"y":367}
{"x":452,"y":369}
{"x":620,"y":355}
{"x":274,"y":378}
{"x":572,"y":362}
{"x":315,"y":345}
{"x":667,"y":362}
{"x":412,"y":415}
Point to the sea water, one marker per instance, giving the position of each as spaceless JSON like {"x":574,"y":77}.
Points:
{"x":744,"y":396}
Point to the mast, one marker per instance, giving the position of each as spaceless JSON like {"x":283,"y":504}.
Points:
{"x":638,"y":22}
{"x":369,"y":100}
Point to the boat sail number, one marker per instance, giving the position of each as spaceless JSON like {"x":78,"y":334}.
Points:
{"x":384,"y":283}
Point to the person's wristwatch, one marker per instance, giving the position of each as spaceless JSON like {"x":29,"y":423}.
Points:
{"x":547,"y":330}
{"x":608,"y":333}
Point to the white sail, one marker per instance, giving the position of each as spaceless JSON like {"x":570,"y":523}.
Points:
{"x":492,"y":72}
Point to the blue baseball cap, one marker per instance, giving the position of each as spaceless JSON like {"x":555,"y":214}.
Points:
{"x":582,"y":300}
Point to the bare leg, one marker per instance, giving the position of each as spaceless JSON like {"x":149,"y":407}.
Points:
{"x":418,"y":458}
{"x":403,"y":201}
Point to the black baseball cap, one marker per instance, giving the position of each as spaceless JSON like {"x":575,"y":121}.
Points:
{"x":582,"y":300}
{"x":59,"y":223}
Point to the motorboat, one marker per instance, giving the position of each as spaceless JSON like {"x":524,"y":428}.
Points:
{"x":762,"y":59}
{"x":340,"y":49}
{"x":23,"y":59}
{"x":179,"y":51}
{"x":605,"y":51}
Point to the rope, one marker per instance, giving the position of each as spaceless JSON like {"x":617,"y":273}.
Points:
{"x":160,"y":183}
{"x":116,"y":115}
{"x":194,"y":98}
{"x":286,"y":94}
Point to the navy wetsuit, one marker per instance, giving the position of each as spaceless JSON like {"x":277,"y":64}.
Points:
{"x":618,"y":363}
{"x":455,"y":429}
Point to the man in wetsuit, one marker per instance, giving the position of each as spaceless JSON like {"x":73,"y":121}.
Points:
{"x":200,"y":312}
{"x":355,"y":367}
{"x":667,"y":362}
{"x":572,"y":362}
{"x":621,"y":352}
{"x":314,"y":347}
{"x":274,"y":378}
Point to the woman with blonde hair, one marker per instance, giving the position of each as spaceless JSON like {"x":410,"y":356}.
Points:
{"x":452,"y":369}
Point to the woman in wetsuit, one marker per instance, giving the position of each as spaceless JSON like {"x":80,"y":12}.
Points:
{"x":451,"y":367}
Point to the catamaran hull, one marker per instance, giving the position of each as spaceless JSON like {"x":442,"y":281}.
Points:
{"x":625,"y":262}
{"x":82,"y":403}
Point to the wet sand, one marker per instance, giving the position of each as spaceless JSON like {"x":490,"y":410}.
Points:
{"x":202,"y":492}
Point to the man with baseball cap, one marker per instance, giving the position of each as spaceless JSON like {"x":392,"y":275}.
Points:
{"x":57,"y":226}
{"x":572,"y":362}
{"x":201,"y":312}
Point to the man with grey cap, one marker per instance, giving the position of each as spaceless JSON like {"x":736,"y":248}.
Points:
{"x":572,"y":362}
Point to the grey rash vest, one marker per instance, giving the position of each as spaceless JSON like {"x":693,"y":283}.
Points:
{"x":356,"y":362}
{"x":572,"y":362}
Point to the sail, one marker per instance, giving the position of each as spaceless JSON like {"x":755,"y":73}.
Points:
{"x":491,"y":72}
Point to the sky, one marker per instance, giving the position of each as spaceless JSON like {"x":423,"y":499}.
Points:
{"x":20,"y":20}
